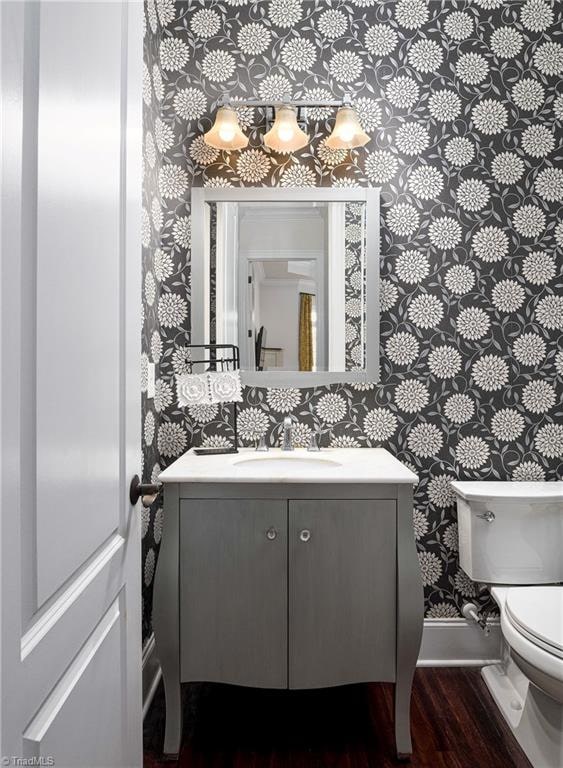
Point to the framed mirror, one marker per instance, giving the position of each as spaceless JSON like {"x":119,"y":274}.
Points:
{"x":291,"y":276}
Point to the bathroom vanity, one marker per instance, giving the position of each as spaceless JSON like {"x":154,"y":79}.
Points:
{"x":288,"y":570}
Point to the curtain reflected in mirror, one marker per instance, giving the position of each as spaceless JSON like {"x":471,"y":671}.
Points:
{"x":306,"y":353}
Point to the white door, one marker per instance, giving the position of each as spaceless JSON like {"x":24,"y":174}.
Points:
{"x":70,"y":642}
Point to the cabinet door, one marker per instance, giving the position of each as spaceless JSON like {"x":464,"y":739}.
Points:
{"x":233,"y":591}
{"x":342,"y":587}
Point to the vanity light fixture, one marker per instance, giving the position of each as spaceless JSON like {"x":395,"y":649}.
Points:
{"x":285,"y":135}
{"x":226,"y":132}
{"x":284,"y":124}
{"x":347,"y":132}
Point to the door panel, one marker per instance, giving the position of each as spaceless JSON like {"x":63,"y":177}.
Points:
{"x":59,"y":727}
{"x":341,"y":592}
{"x":233,"y":591}
{"x":74,"y":614}
{"x":78,"y":286}
{"x":70,"y":657}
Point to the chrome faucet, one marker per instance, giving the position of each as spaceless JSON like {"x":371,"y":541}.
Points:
{"x":287,"y":434}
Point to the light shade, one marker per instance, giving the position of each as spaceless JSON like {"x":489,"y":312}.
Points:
{"x":347,"y":132}
{"x":285,"y":135}
{"x":226,"y":132}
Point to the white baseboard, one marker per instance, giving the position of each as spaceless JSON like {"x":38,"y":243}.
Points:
{"x":151,"y":673}
{"x":445,"y":643}
{"x":458,"y":643}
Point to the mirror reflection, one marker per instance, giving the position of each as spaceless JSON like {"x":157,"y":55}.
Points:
{"x":287,"y":283}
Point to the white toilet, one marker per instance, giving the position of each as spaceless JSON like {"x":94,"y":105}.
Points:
{"x":511,"y":539}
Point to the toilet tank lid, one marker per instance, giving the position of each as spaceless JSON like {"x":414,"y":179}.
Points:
{"x":485,"y":490}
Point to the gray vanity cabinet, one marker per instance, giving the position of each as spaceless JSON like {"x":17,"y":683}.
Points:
{"x":287,"y":585}
{"x":341,"y":592}
{"x":239,"y":623}
{"x":233,"y":588}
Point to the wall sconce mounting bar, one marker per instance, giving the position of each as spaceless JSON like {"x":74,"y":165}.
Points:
{"x":227,"y":102}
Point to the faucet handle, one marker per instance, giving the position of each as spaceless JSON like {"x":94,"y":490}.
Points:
{"x":314,"y":442}
{"x":261,"y":444}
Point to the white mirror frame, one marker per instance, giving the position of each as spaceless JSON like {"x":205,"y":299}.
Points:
{"x":200,"y":276}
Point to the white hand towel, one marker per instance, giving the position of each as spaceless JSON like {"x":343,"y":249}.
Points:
{"x":193,"y":389}
{"x":225,"y":387}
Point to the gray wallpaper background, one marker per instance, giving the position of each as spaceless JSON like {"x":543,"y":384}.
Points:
{"x":354,"y":286}
{"x":464,"y":102}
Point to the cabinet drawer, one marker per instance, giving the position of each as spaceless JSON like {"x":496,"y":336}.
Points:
{"x":233,"y":591}
{"x":342,"y":592}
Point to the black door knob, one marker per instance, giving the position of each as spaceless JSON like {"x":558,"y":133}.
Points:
{"x":147,"y":492}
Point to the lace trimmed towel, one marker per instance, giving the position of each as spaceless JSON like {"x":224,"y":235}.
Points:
{"x":208,"y":388}
{"x":225,"y":386}
{"x":192,"y":389}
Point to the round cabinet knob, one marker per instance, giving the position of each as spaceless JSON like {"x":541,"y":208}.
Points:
{"x":271,"y":533}
{"x":305,"y":535}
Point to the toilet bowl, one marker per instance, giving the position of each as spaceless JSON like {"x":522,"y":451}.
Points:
{"x":532,"y":625}
{"x":535,"y":639}
{"x":511,"y":539}
{"x":527,"y":685}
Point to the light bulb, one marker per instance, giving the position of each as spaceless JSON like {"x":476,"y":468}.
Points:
{"x":347,"y":132}
{"x":226,"y":132}
{"x":285,"y":135}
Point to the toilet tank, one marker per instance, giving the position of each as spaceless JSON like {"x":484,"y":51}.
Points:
{"x":510,"y":532}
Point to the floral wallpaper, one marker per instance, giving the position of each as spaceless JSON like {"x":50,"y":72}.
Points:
{"x":354,"y":286}
{"x":464,"y":103}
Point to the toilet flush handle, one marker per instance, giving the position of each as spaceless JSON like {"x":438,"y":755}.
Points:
{"x":488,"y":516}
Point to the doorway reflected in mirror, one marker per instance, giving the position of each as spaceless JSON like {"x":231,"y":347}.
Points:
{"x":287,"y":283}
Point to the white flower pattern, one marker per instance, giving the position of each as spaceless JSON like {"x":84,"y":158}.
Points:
{"x":494,"y":246}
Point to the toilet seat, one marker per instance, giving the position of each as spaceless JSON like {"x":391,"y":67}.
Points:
{"x":538,"y":642}
{"x":537,"y":612}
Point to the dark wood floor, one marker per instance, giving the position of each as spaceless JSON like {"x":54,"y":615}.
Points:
{"x":455,"y":725}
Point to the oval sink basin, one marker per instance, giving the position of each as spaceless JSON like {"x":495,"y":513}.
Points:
{"x":290,"y":464}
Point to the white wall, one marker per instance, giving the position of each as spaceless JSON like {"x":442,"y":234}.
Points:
{"x":285,"y":229}
{"x":279,"y":315}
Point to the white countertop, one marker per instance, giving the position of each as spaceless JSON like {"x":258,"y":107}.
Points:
{"x":329,"y":465}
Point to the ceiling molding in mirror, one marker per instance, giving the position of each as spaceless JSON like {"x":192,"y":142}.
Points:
{"x":292,"y":277}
